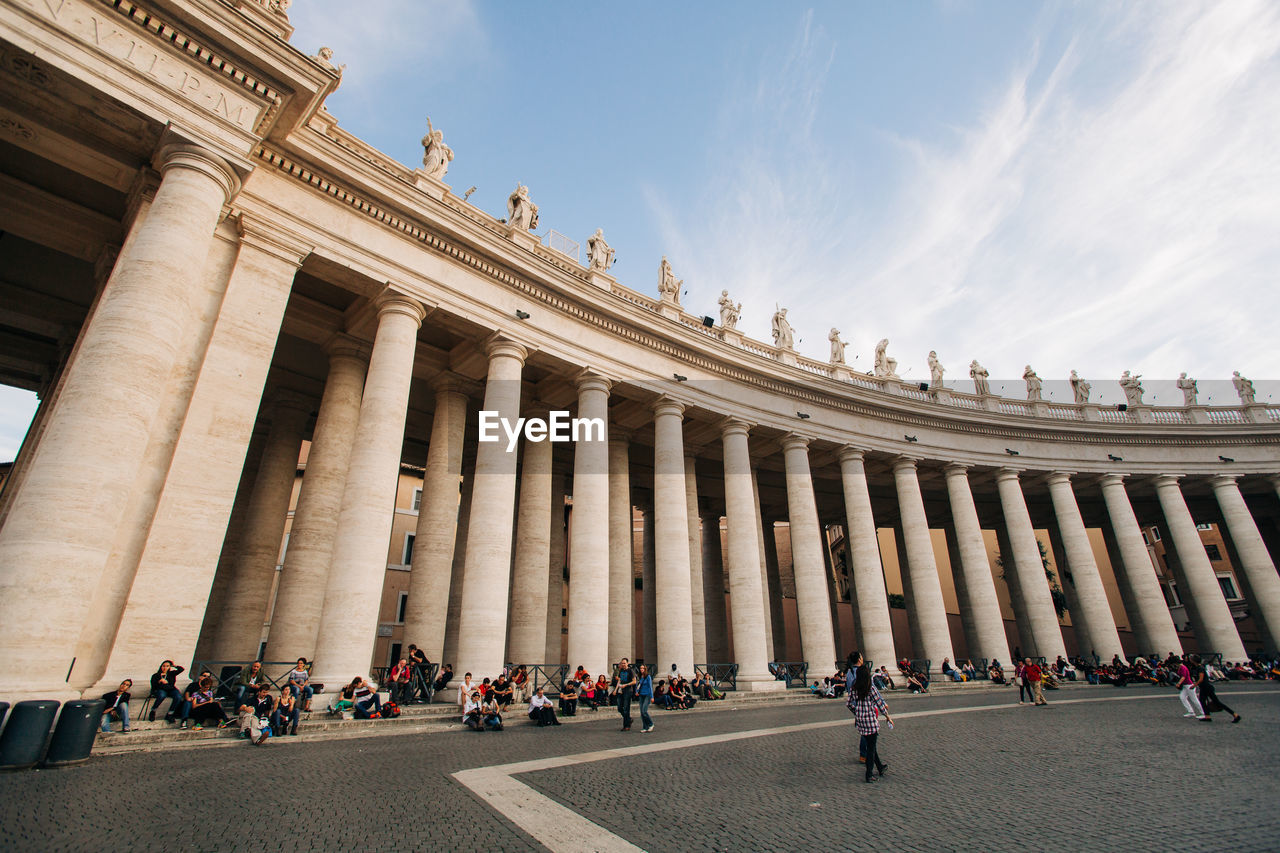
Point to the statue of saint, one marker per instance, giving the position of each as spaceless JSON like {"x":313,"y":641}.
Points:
{"x":1033,"y":383}
{"x":1188,"y":388}
{"x":1244,"y":388}
{"x":1132,"y":388}
{"x":436,"y":155}
{"x":668,"y":285}
{"x":1080,"y":387}
{"x":783,"y":335}
{"x":729,"y":312}
{"x":837,"y":347}
{"x":885,"y":367}
{"x":979,"y":375}
{"x":599,"y":253}
{"x":935,"y":370}
{"x":522,"y":213}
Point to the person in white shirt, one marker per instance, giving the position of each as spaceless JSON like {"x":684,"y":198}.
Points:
{"x":471,"y":712}
{"x":541,"y":710}
{"x":465,"y":689}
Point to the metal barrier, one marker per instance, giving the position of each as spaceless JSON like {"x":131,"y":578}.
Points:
{"x":921,"y":665}
{"x":723,"y":676}
{"x":548,"y":676}
{"x":422,"y":681}
{"x":791,"y":672}
{"x":226,"y":673}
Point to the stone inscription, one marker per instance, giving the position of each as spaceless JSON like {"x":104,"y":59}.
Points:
{"x":204,"y":89}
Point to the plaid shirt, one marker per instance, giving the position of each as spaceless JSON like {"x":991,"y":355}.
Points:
{"x":866,"y":711}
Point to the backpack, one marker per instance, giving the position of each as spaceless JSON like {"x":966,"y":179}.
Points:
{"x":390,"y":710}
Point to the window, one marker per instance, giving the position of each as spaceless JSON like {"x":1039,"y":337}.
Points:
{"x":1213,"y":552}
{"x":417,"y":499}
{"x":408,"y":549}
{"x":1228,"y":585}
{"x":1155,"y":534}
{"x":1145,"y":540}
{"x":400,"y":605}
{"x":1204,"y":527}
{"x":1171,"y":594}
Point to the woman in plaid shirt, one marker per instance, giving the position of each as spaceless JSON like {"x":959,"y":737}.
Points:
{"x":867,"y":704}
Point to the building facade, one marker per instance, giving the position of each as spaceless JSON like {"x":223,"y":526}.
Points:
{"x":203,"y":270}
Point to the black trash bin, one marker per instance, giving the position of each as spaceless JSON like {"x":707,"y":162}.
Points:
{"x":22,"y":744}
{"x":4,"y":709}
{"x":74,"y":734}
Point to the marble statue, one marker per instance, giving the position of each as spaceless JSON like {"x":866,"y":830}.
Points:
{"x":885,"y":367}
{"x":1244,"y":388}
{"x":1188,"y":388}
{"x":522,"y":214}
{"x":837,"y":347}
{"x":599,"y":253}
{"x":783,"y":335}
{"x":1033,"y":384}
{"x":935,"y":370}
{"x":668,"y":285}
{"x":325,"y":56}
{"x":435,"y":154}
{"x":1132,"y":388}
{"x":729,"y":312}
{"x":979,"y":375}
{"x":1080,"y":387}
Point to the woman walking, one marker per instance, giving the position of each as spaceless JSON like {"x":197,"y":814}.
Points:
{"x":1209,"y":700}
{"x":644,"y":691}
{"x":867,"y":704}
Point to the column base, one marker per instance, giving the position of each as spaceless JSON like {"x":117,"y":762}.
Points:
{"x":760,"y":684}
{"x":56,"y":693}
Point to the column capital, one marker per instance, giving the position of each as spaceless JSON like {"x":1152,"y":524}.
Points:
{"x":588,"y":380}
{"x":342,"y":345}
{"x":849,"y":453}
{"x":956,"y":469}
{"x":620,"y":436}
{"x":266,"y":237}
{"x":795,"y":441}
{"x":285,"y":400}
{"x":735,"y":426}
{"x":1004,"y":474}
{"x":1056,"y":477}
{"x":1112,"y":480}
{"x":180,"y":155}
{"x":391,"y":302}
{"x":499,"y":345}
{"x":666,"y":405}
{"x":901,"y":463}
{"x":448,"y":382}
{"x":1222,"y":481}
{"x":1167,"y":480}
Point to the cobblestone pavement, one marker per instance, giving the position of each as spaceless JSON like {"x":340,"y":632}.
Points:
{"x":955,"y":781}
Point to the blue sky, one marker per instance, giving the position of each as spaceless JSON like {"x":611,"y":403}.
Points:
{"x":1079,"y":186}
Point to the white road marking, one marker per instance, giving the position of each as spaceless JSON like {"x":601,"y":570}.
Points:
{"x":563,"y":830}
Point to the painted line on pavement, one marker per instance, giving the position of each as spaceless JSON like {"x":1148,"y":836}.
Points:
{"x":562,"y":830}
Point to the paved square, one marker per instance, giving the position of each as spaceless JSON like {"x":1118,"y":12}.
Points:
{"x":1120,"y":770}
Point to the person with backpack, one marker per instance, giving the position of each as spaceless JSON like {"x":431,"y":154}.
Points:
{"x":1209,"y":700}
{"x":866,"y":704}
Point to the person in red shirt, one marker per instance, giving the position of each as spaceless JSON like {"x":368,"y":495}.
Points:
{"x":1031,"y":672}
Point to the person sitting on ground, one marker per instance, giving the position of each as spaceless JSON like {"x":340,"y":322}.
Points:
{"x":300,"y":684}
{"x":117,"y":705}
{"x":445,"y":676}
{"x":951,"y":672}
{"x":587,"y":693}
{"x":885,"y":676}
{"x":520,"y":682}
{"x":344,"y":701}
{"x":879,"y":680}
{"x":916,"y":682}
{"x":255,"y":715}
{"x":204,"y":706}
{"x":284,"y":719}
{"x":580,"y":674}
{"x":364,"y":696}
{"x":185,"y":711}
{"x":995,"y":672}
{"x":490,"y":714}
{"x":471,"y":712}
{"x":662,"y":694}
{"x":419,"y":666}
{"x":249,"y":681}
{"x":502,"y":692}
{"x":398,"y":678}
{"x":465,"y":689}
{"x":602,"y":691}
{"x":485,"y":686}
{"x":969,"y":671}
{"x":164,"y":685}
{"x":541,"y":710}
{"x":569,"y":699}
{"x":685,"y":695}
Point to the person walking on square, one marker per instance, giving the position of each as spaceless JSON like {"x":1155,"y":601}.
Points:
{"x":1187,"y":692}
{"x":1024,"y":686}
{"x":1209,"y":700}
{"x":626,"y":689}
{"x":644,"y":693}
{"x":867,"y":704}
{"x":1033,"y":676}
{"x":852,"y":664}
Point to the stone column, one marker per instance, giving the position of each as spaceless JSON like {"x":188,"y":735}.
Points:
{"x":1092,"y":596}
{"x":533,"y":554}
{"x":695,"y":559}
{"x":95,"y":441}
{"x":713,"y":590}
{"x":867,"y":574}
{"x":1255,"y":560}
{"x":245,"y":607}
{"x":773,"y":642}
{"x":435,"y":535}
{"x":926,"y":588}
{"x":1217,"y":628}
{"x":454,"y":612}
{"x":300,"y":598}
{"x":813,"y":601}
{"x":973,"y":648}
{"x":648,"y":580}
{"x":975,"y":568}
{"x":621,"y":588}
{"x":673,"y":599}
{"x":1046,"y":634}
{"x":776,"y":626}
{"x":555,"y":570}
{"x":744,"y":562}
{"x":482,"y":624}
{"x":353,"y":594}
{"x":1139,"y":574}
{"x":588,"y":641}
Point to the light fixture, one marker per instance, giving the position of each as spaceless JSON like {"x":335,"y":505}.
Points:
{"x":680,"y":378}
{"x":910,"y":438}
{"x":924,"y":386}
{"x":1114,"y":458}
{"x":1011,"y":452}
{"x":522,"y":315}
{"x":802,"y":416}
{"x":1226,"y":459}
{"x":708,"y":321}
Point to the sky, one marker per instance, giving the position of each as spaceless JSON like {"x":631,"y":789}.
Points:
{"x":1088,"y":186}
